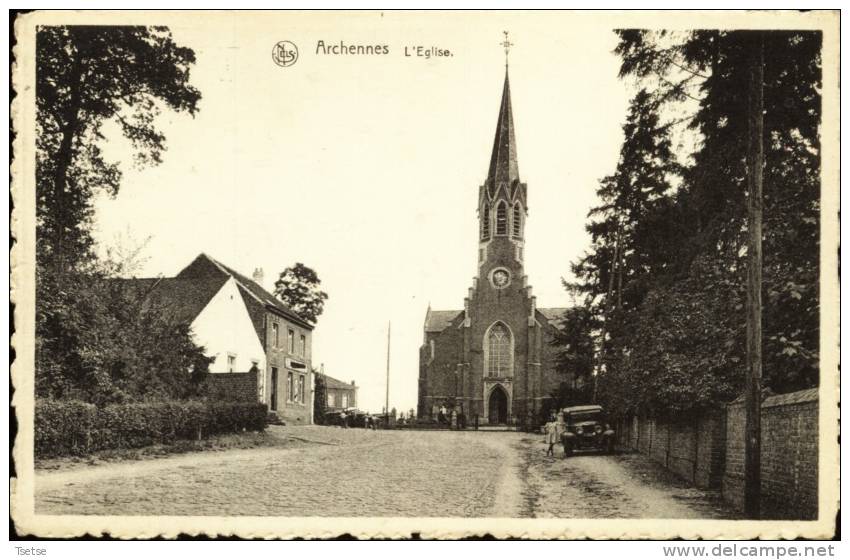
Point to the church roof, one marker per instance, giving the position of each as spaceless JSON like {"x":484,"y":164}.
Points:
{"x":555,"y":315}
{"x":437,"y":321}
{"x":503,"y":160}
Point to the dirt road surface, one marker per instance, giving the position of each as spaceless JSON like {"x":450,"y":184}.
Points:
{"x":378,"y":474}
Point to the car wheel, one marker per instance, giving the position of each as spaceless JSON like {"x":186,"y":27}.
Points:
{"x":568,"y":449}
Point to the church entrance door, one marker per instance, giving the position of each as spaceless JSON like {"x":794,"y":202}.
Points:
{"x":498,"y":406}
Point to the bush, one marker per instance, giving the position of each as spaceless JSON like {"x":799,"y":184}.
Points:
{"x":78,"y":428}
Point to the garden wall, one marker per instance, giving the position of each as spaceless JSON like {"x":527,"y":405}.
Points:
{"x":233,"y":386}
{"x":789,"y":455}
{"x":691,"y":448}
{"x":708,"y":451}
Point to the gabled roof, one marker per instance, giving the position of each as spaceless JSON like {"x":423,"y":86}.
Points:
{"x":503,"y":160}
{"x":201,"y":267}
{"x":181,"y":299}
{"x":184,"y":299}
{"x":437,"y":321}
{"x":333,"y":383}
{"x":555,"y":315}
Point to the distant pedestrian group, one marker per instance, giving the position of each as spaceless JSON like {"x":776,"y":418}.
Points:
{"x":453,"y":419}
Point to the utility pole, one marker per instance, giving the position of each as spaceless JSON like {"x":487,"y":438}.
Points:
{"x":615,"y":264}
{"x":755,"y":178}
{"x":387,"y":404}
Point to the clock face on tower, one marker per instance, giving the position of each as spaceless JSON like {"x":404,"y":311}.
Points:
{"x":500,"y":278}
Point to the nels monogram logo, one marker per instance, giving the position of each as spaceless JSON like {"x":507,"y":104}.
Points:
{"x":285,"y":53}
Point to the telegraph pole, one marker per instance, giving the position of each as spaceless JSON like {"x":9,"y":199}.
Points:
{"x":755,"y":178}
{"x":615,"y":265}
{"x":387,"y":404}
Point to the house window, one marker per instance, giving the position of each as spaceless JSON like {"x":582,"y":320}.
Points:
{"x":290,"y":341}
{"x":231,"y":362}
{"x":485,"y":222}
{"x":331,"y":400}
{"x":290,"y":387}
{"x":273,"y":403}
{"x":302,"y":346}
{"x":276,"y":335}
{"x":502,"y":219}
{"x":499,"y":351}
{"x":301,"y":389}
{"x":517,"y":221}
{"x":345,"y":400}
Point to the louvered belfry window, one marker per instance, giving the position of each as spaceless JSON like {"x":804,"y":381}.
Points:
{"x":517,"y":221}
{"x":485,"y":222}
{"x":502,"y":219}
{"x":499,"y":351}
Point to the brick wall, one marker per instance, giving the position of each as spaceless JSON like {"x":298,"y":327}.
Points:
{"x":708,"y":451}
{"x":235,"y":387}
{"x":789,"y":458}
{"x":691,"y":447}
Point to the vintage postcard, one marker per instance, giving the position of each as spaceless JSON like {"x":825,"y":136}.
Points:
{"x":448,"y":273}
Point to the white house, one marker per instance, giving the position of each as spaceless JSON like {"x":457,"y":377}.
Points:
{"x":241,"y":326}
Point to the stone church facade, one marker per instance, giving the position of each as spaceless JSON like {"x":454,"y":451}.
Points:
{"x":494,"y":358}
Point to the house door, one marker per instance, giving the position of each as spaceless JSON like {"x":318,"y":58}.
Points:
{"x":273,"y":397}
{"x":498,"y":406}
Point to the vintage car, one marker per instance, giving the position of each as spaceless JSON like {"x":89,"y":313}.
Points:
{"x":586,"y":430}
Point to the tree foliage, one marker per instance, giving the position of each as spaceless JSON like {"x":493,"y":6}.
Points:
{"x":320,"y":398}
{"x":666,"y":273}
{"x":86,"y":76}
{"x":95,"y":340}
{"x":299,"y":287}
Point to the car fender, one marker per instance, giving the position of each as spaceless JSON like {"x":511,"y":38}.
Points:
{"x":608,"y":433}
{"x":567,"y":435}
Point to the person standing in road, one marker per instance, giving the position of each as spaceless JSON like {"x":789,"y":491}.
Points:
{"x":553,"y":434}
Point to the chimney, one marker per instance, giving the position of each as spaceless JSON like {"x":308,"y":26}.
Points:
{"x":322,"y":369}
{"x":352,"y":383}
{"x":259,"y":276}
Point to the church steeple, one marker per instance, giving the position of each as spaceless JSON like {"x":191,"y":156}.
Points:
{"x":502,"y":199}
{"x":503,"y":168}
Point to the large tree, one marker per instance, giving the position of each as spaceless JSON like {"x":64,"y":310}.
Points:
{"x":669,"y":278}
{"x":93,"y":340}
{"x":299,"y":287}
{"x":86,"y":76}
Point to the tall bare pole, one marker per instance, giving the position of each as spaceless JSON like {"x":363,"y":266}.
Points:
{"x":615,"y":264}
{"x":387,"y":404}
{"x":755,"y":178}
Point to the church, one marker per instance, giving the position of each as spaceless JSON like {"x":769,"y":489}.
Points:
{"x":494,"y":359}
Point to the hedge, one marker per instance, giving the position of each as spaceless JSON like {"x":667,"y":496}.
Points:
{"x":79,"y":428}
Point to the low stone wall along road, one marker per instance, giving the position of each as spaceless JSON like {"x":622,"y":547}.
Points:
{"x":336,"y":472}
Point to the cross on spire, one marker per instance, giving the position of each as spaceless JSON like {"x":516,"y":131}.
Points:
{"x":507,"y":44}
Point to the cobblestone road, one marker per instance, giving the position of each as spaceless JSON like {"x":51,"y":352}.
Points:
{"x":376,"y":473}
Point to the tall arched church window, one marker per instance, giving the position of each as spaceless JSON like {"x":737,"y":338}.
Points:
{"x":517,"y":221}
{"x":485,"y":222}
{"x":502,"y":219}
{"x":499,"y":351}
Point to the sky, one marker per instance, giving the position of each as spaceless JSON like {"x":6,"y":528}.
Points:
{"x":366,"y":167}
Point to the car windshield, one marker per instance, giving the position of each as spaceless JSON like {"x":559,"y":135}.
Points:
{"x":585,"y":416}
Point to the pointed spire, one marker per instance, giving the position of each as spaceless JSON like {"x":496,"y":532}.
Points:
{"x":503,"y":162}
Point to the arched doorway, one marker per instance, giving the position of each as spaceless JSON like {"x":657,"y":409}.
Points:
{"x":497,"y":406}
